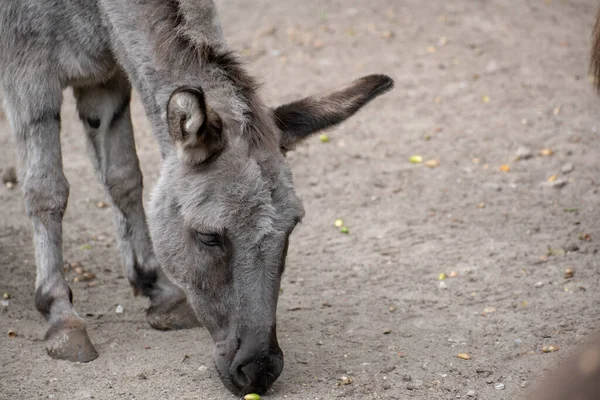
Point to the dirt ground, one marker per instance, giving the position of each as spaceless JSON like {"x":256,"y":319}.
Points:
{"x":475,"y":81}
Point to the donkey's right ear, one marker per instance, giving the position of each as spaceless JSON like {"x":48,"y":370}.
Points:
{"x":196,"y":129}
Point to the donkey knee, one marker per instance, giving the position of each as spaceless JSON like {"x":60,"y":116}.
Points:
{"x":125,"y":185}
{"x":46,"y":193}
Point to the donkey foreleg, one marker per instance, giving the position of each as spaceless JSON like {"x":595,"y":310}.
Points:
{"x":34,"y":113}
{"x":105,"y":113}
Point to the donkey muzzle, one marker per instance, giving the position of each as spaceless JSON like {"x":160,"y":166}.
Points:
{"x":252,"y":366}
{"x":256,"y":372}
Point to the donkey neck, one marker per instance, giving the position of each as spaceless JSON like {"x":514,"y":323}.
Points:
{"x":166,"y":44}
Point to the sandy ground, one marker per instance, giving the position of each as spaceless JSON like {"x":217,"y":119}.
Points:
{"x":474,"y":82}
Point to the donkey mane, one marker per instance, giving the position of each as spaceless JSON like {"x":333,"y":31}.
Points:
{"x":183,"y":45}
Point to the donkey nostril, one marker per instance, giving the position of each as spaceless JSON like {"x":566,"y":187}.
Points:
{"x":249,"y":371}
{"x":239,"y":377}
{"x":253,"y":374}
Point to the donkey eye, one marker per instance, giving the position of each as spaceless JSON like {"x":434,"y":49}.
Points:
{"x":209,"y":239}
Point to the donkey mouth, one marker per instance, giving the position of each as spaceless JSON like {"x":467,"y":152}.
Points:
{"x":255,"y":377}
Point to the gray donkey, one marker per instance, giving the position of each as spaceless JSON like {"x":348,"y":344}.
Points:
{"x":220,"y":217}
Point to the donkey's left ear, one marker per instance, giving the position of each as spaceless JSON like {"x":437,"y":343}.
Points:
{"x":196,"y":129}
{"x":300,"y":119}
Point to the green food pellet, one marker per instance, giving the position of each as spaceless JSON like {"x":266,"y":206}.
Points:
{"x":416,"y":159}
{"x":323,"y":138}
{"x":344,"y":229}
{"x":252,"y":396}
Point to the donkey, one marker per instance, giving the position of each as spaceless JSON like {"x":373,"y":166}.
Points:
{"x":213,"y":248}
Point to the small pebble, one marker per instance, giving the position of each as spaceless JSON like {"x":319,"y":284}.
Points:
{"x":86,"y":276}
{"x":539,"y":284}
{"x":492,"y":186}
{"x":499,"y":386}
{"x":569,"y":167}
{"x":569,"y":273}
{"x":443,"y":285}
{"x":432,"y":163}
{"x":518,"y":342}
{"x":119,"y":309}
{"x":406,"y":378}
{"x":414,"y":385}
{"x":572,"y":247}
{"x":387,"y":34}
{"x":344,"y":380}
{"x":4,"y":303}
{"x":471,"y":393}
{"x":386,"y":369}
{"x":12,"y":334}
{"x":550,"y":349}
{"x":523,"y":153}
{"x":491,"y":67}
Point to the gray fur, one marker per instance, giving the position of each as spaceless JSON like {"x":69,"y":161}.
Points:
{"x":224,"y":206}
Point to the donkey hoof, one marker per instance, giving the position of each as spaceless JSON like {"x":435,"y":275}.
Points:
{"x":177,"y":316}
{"x":68,"y":340}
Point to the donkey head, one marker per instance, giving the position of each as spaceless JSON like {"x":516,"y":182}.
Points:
{"x":222,"y":213}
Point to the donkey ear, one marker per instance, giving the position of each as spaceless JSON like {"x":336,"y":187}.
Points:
{"x":196,"y":129}
{"x":300,"y":119}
